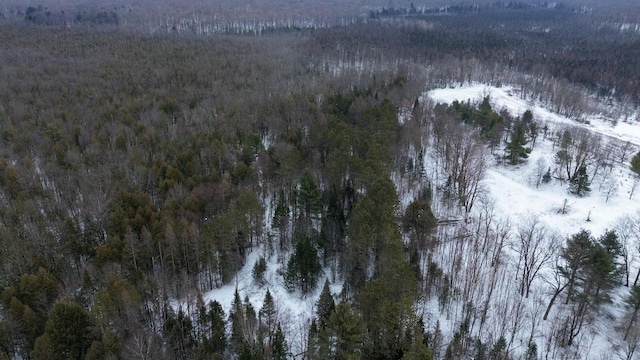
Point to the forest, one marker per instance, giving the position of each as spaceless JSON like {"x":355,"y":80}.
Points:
{"x":148,"y":157}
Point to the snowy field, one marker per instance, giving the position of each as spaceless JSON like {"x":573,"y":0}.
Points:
{"x":511,"y":187}
{"x":515,"y":197}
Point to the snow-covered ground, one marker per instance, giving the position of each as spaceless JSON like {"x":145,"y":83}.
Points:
{"x":515,"y":197}
{"x":506,"y":98}
{"x":512,"y":189}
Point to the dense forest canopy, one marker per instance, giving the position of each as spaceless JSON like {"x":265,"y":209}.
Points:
{"x":149,"y":151}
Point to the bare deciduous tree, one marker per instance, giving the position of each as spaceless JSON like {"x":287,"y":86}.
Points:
{"x":535,"y":244}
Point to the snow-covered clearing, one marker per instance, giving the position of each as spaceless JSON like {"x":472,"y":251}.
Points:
{"x":515,"y":198}
{"x":511,"y":187}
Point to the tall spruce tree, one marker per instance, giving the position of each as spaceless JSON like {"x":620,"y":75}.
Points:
{"x":303,"y":268}
{"x":325,"y":305}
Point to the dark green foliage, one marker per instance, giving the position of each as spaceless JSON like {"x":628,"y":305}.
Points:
{"x":418,"y":350}
{"x":635,"y":164}
{"x":590,"y":272}
{"x":345,"y":333}
{"x":633,"y":303}
{"x":68,"y":332}
{"x":325,"y":305}
{"x":386,"y":306}
{"x":214,"y":338}
{"x":491,"y":124}
{"x":516,"y":150}
{"x":303,"y":268}
{"x":374,"y":234}
{"x":419,"y":222}
{"x":178,"y":329}
{"x":29,"y":302}
{"x":333,"y":228}
{"x":308,"y":196}
{"x":281,"y":219}
{"x":279,"y":346}
{"x":579,"y":183}
{"x":611,"y":244}
{"x":481,"y":350}
{"x":236,"y":318}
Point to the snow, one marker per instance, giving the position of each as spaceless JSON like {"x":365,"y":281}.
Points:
{"x":295,"y":310}
{"x":516,"y":198}
{"x":506,"y":98}
{"x":514,"y":195}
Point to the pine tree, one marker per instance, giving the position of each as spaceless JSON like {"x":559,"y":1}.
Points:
{"x":516,"y":150}
{"x":279,"y":345}
{"x":417,"y":350}
{"x":268,"y":315}
{"x":346,"y":332}
{"x":633,"y":302}
{"x":218,"y":337}
{"x":635,"y":164}
{"x":325,"y":305}
{"x":579,"y":183}
{"x":308,"y":197}
{"x":610,"y":243}
{"x":68,"y":332}
{"x":303,"y":267}
{"x":236,"y":317}
{"x":281,"y":219}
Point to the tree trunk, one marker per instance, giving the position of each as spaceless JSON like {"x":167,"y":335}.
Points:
{"x":633,"y":317}
{"x":553,"y":300}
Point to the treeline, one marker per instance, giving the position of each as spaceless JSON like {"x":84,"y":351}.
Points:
{"x":553,"y":42}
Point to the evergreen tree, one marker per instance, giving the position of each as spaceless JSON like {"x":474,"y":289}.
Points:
{"x":67,"y":334}
{"x":579,"y":183}
{"x":332,"y":232}
{"x":419,"y":222}
{"x":279,"y":346}
{"x":516,"y":150}
{"x":216,"y":340}
{"x":325,"y":305}
{"x":308,"y":197}
{"x":236,"y":318}
{"x":635,"y":164}
{"x":610,"y":243}
{"x":268,"y":315}
{"x":303,"y":268}
{"x":633,"y":302}
{"x":481,"y":350}
{"x":345,"y":333}
{"x":178,"y":330}
{"x":281,"y":219}
{"x":418,"y":350}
